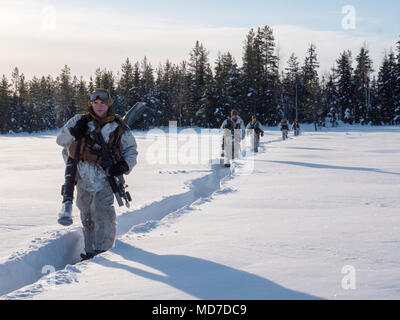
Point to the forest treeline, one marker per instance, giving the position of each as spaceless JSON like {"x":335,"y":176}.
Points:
{"x":197,"y":92}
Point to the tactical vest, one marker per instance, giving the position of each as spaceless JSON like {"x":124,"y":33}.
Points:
{"x":90,"y":149}
{"x":255,"y":127}
{"x":232,"y":125}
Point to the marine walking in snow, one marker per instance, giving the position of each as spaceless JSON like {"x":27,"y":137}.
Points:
{"x":254,"y":130}
{"x":284,"y":127}
{"x":234,"y":132}
{"x":86,"y":137}
{"x":296,"y":127}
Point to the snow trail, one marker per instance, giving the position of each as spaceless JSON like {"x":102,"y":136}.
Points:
{"x":62,"y":248}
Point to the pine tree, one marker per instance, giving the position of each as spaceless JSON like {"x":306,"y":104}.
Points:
{"x":397,"y":87}
{"x":180,"y":92}
{"x":91,"y":85}
{"x":225,"y":90}
{"x":387,"y":82}
{"x":362,"y":90}
{"x":260,"y":76}
{"x":98,"y":75}
{"x":345,"y":86}
{"x":126,"y":83}
{"x":290,"y":87}
{"x":162,"y":94}
{"x":375,"y":116}
{"x":199,"y":112}
{"x":48,"y":88}
{"x":65,"y":99}
{"x":309,"y":82}
{"x":270,"y":96}
{"x":82,"y":96}
{"x":35,"y":104}
{"x":251,"y":76}
{"x":5,"y":105}
{"x":311,"y":65}
{"x":145,"y":90}
{"x":312,"y":107}
{"x":19,"y":110}
{"x":331,"y":100}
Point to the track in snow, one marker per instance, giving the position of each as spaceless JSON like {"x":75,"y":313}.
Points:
{"x":61,"y":249}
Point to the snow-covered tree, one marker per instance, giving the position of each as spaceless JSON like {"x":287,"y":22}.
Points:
{"x":201,"y":80}
{"x":387,"y":82}
{"x":82,"y":95}
{"x":5,"y":105}
{"x":362,"y":90}
{"x":309,"y":82}
{"x":290,"y":87}
{"x":345,"y":86}
{"x":66,"y":106}
{"x":397,"y":87}
{"x":226,"y":89}
{"x":331,"y":99}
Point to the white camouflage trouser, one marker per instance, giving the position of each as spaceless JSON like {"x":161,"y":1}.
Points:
{"x":98,"y":218}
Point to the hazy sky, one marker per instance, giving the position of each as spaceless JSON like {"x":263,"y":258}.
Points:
{"x":40,"y":37}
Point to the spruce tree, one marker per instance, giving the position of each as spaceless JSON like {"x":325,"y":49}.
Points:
{"x":49,"y":109}
{"x":362,"y":90}
{"x":309,"y":82}
{"x":397,"y":87}
{"x":199,"y":111}
{"x":82,"y":96}
{"x":251,"y":76}
{"x":66,"y":106}
{"x":162,"y":94}
{"x":5,"y":105}
{"x":35,"y":105}
{"x":126,"y":82}
{"x":290,"y":87}
{"x":312,"y":106}
{"x":331,"y":100}
{"x":145,"y":90}
{"x":387,"y":83}
{"x":19,"y":110}
{"x":270,"y":96}
{"x":345,"y":86}
{"x":226,"y":85}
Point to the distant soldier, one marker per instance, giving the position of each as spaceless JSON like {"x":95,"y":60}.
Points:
{"x":234,"y":132}
{"x":296,"y":127}
{"x":254,"y":129}
{"x":284,"y":126}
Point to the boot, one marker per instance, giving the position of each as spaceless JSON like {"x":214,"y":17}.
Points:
{"x":87,"y":256}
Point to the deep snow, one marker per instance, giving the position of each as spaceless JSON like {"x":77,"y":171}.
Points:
{"x":312,"y":205}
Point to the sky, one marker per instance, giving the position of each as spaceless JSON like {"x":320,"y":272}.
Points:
{"x":41,"y":36}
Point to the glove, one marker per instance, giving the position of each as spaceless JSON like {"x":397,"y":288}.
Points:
{"x":80,"y":129}
{"x":119,"y":168}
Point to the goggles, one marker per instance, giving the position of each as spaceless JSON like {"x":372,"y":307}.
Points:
{"x":102,"y":95}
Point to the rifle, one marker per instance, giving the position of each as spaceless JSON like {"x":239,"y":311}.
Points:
{"x":110,"y":157}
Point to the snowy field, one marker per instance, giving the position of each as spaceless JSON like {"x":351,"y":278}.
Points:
{"x":316,"y":216}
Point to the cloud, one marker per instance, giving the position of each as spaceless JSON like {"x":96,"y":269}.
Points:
{"x":329,"y":44}
{"x":40,"y":38}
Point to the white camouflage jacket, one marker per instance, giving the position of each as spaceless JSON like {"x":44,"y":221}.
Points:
{"x":238,"y":121}
{"x":91,"y":176}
